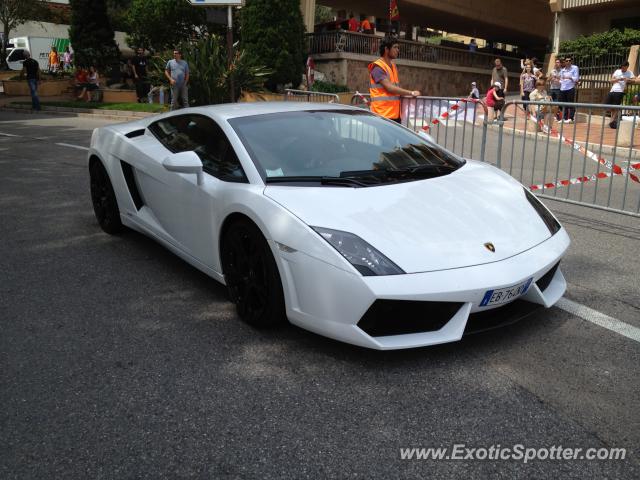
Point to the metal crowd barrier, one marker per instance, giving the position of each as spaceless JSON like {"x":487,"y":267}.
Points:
{"x":307,"y":96}
{"x":584,"y":162}
{"x":454,"y":123}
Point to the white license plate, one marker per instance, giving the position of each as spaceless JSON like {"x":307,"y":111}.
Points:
{"x":503,"y":295}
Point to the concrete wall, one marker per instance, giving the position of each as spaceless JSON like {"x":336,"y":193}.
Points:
{"x":430,"y":78}
{"x":572,"y":24}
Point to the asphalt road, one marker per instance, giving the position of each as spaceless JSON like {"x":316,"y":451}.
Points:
{"x":118,"y":360}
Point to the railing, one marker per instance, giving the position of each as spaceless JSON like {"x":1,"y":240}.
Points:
{"x":586,"y":162}
{"x":568,"y":4}
{"x":456,"y":124}
{"x":361,"y":43}
{"x":308,"y":96}
{"x":600,"y":66}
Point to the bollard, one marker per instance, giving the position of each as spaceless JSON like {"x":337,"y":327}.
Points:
{"x":625,"y":133}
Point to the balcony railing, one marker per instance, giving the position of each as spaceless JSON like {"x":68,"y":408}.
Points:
{"x":568,"y":4}
{"x":341,"y":41}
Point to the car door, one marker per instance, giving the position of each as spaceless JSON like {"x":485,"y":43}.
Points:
{"x":186,"y":211}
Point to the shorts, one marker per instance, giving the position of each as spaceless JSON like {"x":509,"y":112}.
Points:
{"x":614,"y":98}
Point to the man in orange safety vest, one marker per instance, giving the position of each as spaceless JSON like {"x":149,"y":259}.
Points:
{"x":384,"y":84}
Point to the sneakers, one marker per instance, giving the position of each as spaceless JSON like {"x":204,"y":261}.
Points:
{"x":613,"y":124}
{"x":545,"y":129}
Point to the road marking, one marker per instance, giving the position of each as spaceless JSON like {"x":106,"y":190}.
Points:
{"x":72,"y":146}
{"x":8,"y":135}
{"x":604,"y":321}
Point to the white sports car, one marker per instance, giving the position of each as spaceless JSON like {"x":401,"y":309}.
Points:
{"x":342,"y":222}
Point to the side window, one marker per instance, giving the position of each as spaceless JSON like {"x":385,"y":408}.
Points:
{"x":202,"y":135}
{"x":16,"y":55}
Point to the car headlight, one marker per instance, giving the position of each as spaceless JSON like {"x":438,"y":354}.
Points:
{"x":366,"y":259}
{"x":546,"y":216}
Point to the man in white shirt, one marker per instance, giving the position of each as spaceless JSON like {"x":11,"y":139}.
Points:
{"x":569,"y":76}
{"x":619,"y":81}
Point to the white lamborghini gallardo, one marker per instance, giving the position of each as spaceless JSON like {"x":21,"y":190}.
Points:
{"x":342,"y":222}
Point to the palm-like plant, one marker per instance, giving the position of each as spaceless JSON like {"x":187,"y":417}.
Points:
{"x":209,"y":73}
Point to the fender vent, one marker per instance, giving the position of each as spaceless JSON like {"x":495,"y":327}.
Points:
{"x":400,"y":317}
{"x":129,"y":177}
{"x":545,"y":280}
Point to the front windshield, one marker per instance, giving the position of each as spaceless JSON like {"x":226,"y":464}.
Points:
{"x":339,"y":144}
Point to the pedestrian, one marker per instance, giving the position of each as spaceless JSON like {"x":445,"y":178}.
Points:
{"x":54,"y":60}
{"x":495,"y":101}
{"x":354,"y":25}
{"x":619,"y":81}
{"x":384,"y":82}
{"x":473,"y":46}
{"x":554,"y":80}
{"x":139,"y":71}
{"x":93,"y":83}
{"x":475,"y":93}
{"x":67,"y":60}
{"x":500,"y":74}
{"x":569,"y":76}
{"x":31,"y":68}
{"x":366,"y":27}
{"x":177,"y":72}
{"x":542,"y":113}
{"x":527,"y":83}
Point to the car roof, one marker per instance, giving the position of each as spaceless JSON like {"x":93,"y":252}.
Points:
{"x":236,"y":110}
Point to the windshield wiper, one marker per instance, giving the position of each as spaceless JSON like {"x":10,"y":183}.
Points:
{"x":323,"y":180}
{"x":428,"y":168}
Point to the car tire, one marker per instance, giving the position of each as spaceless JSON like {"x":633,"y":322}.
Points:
{"x":105,"y":205}
{"x":252,"y":276}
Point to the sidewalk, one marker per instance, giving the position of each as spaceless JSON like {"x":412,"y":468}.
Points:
{"x":117,"y":115}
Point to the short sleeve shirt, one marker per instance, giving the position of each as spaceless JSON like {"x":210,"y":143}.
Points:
{"x":499,"y":75}
{"x":140,"y":63}
{"x":378,"y":74}
{"x":178,"y":70}
{"x":619,"y":86}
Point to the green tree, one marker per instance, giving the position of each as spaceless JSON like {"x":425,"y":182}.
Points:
{"x":162,"y":24}
{"x":14,"y":13}
{"x":272,"y":30}
{"x":91,"y":34}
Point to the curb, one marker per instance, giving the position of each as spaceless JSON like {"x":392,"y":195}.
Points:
{"x":118,"y":115}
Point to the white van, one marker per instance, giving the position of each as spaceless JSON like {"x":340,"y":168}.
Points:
{"x":39,"y":47}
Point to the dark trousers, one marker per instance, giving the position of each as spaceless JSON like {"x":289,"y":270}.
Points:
{"x":142,"y":89}
{"x":568,"y":96}
{"x":33,"y":90}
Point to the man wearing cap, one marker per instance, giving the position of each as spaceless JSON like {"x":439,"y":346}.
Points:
{"x":619,"y":81}
{"x":475,"y":93}
{"x":384,"y":83}
{"x":495,"y":101}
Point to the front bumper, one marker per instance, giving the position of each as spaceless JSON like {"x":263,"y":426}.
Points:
{"x":331,"y":302}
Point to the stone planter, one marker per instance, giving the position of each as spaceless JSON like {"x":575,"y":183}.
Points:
{"x":119,"y":96}
{"x":46,"y":88}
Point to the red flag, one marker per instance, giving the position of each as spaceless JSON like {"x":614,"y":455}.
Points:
{"x":394,"y":13}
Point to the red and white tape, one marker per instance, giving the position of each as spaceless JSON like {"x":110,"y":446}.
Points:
{"x":616,"y":169}
{"x":442,"y":117}
{"x":448,"y":113}
{"x":590,"y":178}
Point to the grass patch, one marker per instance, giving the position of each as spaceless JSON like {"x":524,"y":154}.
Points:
{"x":132,"y":107}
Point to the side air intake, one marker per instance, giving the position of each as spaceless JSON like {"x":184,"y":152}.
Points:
{"x":130,"y":178}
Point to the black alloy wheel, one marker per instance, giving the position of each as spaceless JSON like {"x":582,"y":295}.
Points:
{"x":252,"y":276}
{"x":105,"y":205}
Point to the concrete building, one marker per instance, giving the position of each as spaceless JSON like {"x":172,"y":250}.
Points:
{"x":574,"y":18}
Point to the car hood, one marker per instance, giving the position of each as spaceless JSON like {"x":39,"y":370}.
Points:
{"x":427,"y":225}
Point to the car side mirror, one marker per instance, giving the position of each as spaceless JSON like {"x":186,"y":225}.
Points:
{"x":185,"y":162}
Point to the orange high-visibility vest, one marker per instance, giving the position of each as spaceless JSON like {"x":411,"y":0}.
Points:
{"x":382,"y":102}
